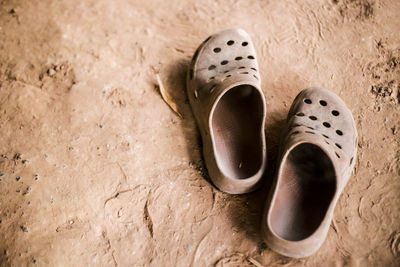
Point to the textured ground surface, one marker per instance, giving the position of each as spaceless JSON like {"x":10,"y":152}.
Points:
{"x":97,"y":170}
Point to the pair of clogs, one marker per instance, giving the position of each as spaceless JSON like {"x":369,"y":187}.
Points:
{"x":317,"y":152}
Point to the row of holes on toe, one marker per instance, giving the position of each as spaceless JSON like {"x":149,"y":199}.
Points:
{"x":229,"y":43}
{"x":242,"y":72}
{"x":322,"y":103}
{"x":326,"y":124}
{"x":311,"y":132}
{"x":225,"y":62}
{"x":218,"y":50}
{"x":327,"y":137}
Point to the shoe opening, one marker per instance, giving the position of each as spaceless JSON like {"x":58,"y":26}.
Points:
{"x":306,"y":189}
{"x":237,"y":123}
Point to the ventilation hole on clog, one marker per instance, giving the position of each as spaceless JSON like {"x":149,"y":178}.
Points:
{"x":307,"y":101}
{"x":191,"y":74}
{"x":224,"y":62}
{"x":244,"y":72}
{"x":337,"y":155}
{"x":240,"y":68}
{"x":339,"y":146}
{"x":324,"y":135}
{"x":245,"y":43}
{"x":217,"y":50}
{"x":238,"y":58}
{"x":313,"y":118}
{"x":300,"y":114}
{"x":255,"y":77}
{"x":351,"y":160}
{"x":211,"y":78}
{"x":311,"y":128}
{"x":339,"y":132}
{"x":230,"y":42}
{"x":227,"y":76}
{"x":323,"y":103}
{"x":250,"y":57}
{"x":212,"y":67}
{"x":335,"y":113}
{"x":326,"y":124}
{"x":295,"y":132}
{"x":295,"y":125}
{"x":253,"y":69}
{"x":309,"y":132}
{"x":226,"y":71}
{"x":326,"y":142}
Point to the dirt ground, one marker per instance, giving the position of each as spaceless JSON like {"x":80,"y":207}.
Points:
{"x":96,"y":169}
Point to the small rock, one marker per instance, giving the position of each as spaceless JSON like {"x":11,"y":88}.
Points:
{"x":51,"y":72}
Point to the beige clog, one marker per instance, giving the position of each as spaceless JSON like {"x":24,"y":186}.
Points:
{"x":224,"y":90}
{"x":316,"y":160}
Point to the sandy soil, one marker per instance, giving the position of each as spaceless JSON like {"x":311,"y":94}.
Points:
{"x":97,"y":170}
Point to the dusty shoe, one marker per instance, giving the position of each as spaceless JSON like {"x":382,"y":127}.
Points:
{"x":316,"y":160}
{"x":224,"y":91}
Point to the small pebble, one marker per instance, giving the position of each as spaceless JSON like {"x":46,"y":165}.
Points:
{"x":51,"y":72}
